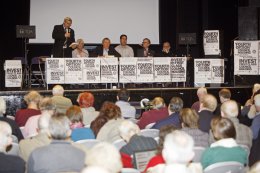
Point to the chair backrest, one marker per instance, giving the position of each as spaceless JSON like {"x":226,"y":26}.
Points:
{"x":119,"y":143}
{"x":150,"y":133}
{"x":13,"y":149}
{"x":88,"y":143}
{"x":142,"y":158}
{"x":225,"y":167}
{"x":129,"y":170}
{"x":149,"y":126}
{"x":198,"y":153}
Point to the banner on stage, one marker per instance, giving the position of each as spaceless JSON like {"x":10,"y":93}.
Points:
{"x":73,"y":70}
{"x":55,"y":70}
{"x":178,"y":69}
{"x":144,"y":71}
{"x":127,"y":70}
{"x":162,"y":71}
{"x":246,"y":57}
{"x":109,"y":70}
{"x":208,"y":70}
{"x":211,"y":42}
{"x":13,"y":73}
{"x":91,"y":70}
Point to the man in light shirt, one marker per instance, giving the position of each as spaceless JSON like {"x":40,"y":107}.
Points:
{"x":123,"y":48}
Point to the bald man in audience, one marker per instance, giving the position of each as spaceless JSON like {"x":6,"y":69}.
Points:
{"x":62,"y":103}
{"x":8,"y":163}
{"x":244,"y":134}
{"x":200,"y":93}
{"x":208,"y":104}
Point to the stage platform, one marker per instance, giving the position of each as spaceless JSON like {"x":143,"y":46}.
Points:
{"x":15,"y":101}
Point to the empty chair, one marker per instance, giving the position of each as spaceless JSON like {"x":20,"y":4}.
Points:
{"x":153,"y":133}
{"x":13,"y":149}
{"x":129,"y":170}
{"x":37,"y":68}
{"x":89,"y":143}
{"x":225,"y":167}
{"x":149,"y":126}
{"x":119,"y":143}
{"x":198,"y":153}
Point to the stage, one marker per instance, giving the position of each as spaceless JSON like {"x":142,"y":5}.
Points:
{"x":14,"y":98}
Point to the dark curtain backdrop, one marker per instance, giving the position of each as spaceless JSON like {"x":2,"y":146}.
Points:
{"x":176,"y":16}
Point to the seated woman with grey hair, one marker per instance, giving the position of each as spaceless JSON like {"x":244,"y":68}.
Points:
{"x":158,"y":112}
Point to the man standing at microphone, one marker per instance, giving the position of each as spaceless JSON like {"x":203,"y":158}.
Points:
{"x":63,"y":36}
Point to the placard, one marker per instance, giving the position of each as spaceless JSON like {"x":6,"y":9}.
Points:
{"x":109,"y":70}
{"x":178,"y":69}
{"x":217,"y":70}
{"x":73,"y":70}
{"x":211,"y":42}
{"x":127,"y":70}
{"x":55,"y":70}
{"x":91,"y":70}
{"x":246,"y":57}
{"x":13,"y":73}
{"x":144,"y":70}
{"x":162,"y":71}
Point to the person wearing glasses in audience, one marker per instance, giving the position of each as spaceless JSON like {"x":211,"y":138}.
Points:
{"x":80,"y":51}
{"x":106,"y":50}
{"x":123,"y":48}
{"x":145,"y":51}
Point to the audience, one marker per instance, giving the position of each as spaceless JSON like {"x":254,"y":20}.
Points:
{"x":225,"y":148}
{"x":208,"y":105}
{"x":158,"y":112}
{"x":79,"y":132}
{"x":200,"y":93}
{"x":104,"y":155}
{"x":32,"y":100}
{"x":256,"y":120}
{"x":244,"y":135}
{"x":255,"y":168}
{"x":174,"y":108}
{"x":8,"y":163}
{"x":15,"y":128}
{"x":47,"y":109}
{"x":224,"y":95}
{"x":62,"y":103}
{"x":86,"y":102}
{"x":189,"y":122}
{"x":59,"y":155}
{"x":123,"y":97}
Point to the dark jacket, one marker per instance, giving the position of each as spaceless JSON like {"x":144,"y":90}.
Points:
{"x":99,"y":52}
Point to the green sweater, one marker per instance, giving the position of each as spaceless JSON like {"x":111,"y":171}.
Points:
{"x":222,"y":154}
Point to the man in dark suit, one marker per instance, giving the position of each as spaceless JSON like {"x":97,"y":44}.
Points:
{"x":63,"y":36}
{"x":166,"y":50}
{"x":145,"y":51}
{"x":105,"y":50}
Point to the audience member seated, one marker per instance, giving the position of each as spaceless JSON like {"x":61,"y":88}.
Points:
{"x":62,"y":103}
{"x":109,"y":132}
{"x":158,"y":159}
{"x":47,"y":109}
{"x":174,"y":108}
{"x":255,"y":151}
{"x":200,"y":93}
{"x":208,"y":105}
{"x":166,"y":50}
{"x":135,"y":142}
{"x":256,"y":121}
{"x":86,"y":102}
{"x":189,"y":121}
{"x":224,"y":95}
{"x":123,"y":97}
{"x":15,"y":128}
{"x":145,"y":51}
{"x":8,"y":163}
{"x":255,"y":168}
{"x":98,"y":123}
{"x":244,"y":135}
{"x":123,"y":48}
{"x":32,"y":100}
{"x":79,"y":132}
{"x":80,"y":51}
{"x":104,"y":155}
{"x":158,"y":112}
{"x":105,"y":50}
{"x":225,"y":148}
{"x":26,"y":146}
{"x":178,"y":153}
{"x":59,"y":155}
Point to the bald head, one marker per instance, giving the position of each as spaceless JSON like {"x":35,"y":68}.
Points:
{"x":57,"y":90}
{"x":229,"y":109}
{"x":202,"y":91}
